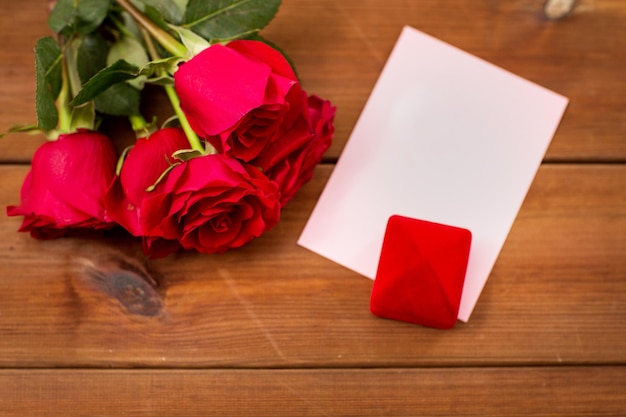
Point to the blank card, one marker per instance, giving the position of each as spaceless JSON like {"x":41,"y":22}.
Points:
{"x":444,"y":137}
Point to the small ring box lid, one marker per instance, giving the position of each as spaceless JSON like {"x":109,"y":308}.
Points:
{"x":421,"y":272}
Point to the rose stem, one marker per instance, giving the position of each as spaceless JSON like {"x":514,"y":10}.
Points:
{"x":69,"y":54}
{"x":63,"y":100}
{"x":138,"y":123}
{"x":192,"y":136}
{"x":177,"y":49}
{"x":165,"y":39}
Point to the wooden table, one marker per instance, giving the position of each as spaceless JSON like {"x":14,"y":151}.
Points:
{"x":276,"y":330}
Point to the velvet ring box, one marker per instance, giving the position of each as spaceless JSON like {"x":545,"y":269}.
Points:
{"x":421,"y":272}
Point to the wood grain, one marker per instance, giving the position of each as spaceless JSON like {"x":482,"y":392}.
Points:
{"x":340,"y":48}
{"x":88,"y":326}
{"x":557,"y":295}
{"x":391,"y":392}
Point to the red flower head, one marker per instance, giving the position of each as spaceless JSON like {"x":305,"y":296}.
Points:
{"x":211,"y":204}
{"x":291,"y":160}
{"x":145,"y":163}
{"x":65,"y":187}
{"x":240,"y":97}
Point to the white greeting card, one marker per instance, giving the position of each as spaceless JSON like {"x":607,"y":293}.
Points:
{"x":444,"y":137}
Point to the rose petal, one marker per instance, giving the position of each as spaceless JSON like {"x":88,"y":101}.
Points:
{"x":219,"y":86}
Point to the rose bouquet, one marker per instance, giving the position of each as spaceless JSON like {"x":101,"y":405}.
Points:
{"x":244,"y":136}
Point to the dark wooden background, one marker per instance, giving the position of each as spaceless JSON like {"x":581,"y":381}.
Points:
{"x":275,"y":330}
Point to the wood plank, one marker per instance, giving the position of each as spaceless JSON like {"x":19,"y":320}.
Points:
{"x":340,"y":48}
{"x":21,"y":24}
{"x":578,"y":391}
{"x":580,"y":56}
{"x":557,"y":294}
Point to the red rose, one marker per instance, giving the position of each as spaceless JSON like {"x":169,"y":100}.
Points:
{"x":290,"y":161}
{"x":211,"y":204}
{"x":65,"y":187}
{"x":240,"y":97}
{"x":145,"y":163}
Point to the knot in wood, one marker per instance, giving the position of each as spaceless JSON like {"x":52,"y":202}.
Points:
{"x":134,"y":293}
{"x":126,"y":281}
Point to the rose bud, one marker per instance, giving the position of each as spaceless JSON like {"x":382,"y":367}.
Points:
{"x":64,"y":189}
{"x":148,"y":159}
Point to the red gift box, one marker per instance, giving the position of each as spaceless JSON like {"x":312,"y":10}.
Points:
{"x":421,"y":272}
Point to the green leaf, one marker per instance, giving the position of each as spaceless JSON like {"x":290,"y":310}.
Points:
{"x":119,"y":100}
{"x":171,"y":121}
{"x":61,"y":16}
{"x":48,"y":54}
{"x":31,"y":129}
{"x":193,"y":42}
{"x":159,"y":72}
{"x":129,"y":50}
{"x":163,"y":80}
{"x":171,"y":10}
{"x":156,"y":17}
{"x":91,"y":14}
{"x":185,"y":155}
{"x":229,"y":19}
{"x":162,"y":176}
{"x":83,"y":116}
{"x":49,"y":80}
{"x":25,"y":129}
{"x":156,"y":68}
{"x":132,"y":51}
{"x":119,"y":72}
{"x":78,"y":16}
{"x":121,"y":159}
{"x":91,"y":56}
